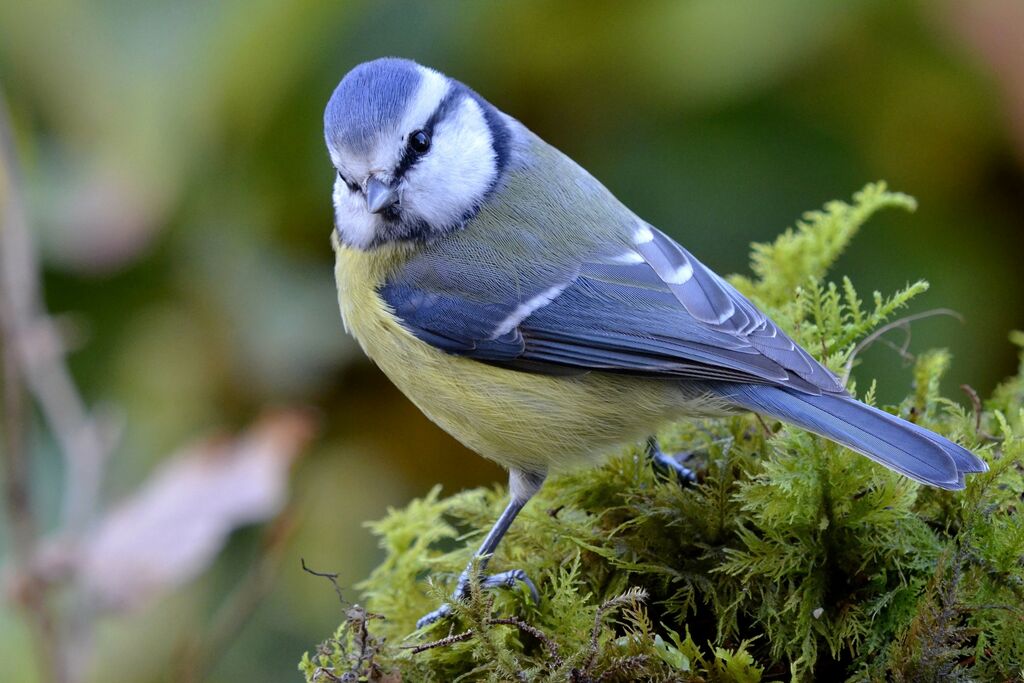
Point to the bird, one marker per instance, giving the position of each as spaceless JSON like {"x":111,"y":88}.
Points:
{"x":533,"y":316}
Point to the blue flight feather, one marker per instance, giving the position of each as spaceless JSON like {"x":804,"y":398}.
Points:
{"x":900,"y":445}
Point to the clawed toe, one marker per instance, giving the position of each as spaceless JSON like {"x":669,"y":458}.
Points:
{"x":668,"y":463}
{"x":507,"y":579}
{"x":440,"y":614}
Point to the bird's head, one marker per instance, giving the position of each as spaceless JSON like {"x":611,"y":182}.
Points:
{"x":416,"y":152}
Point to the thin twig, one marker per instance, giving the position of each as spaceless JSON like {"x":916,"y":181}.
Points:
{"x":443,"y":642}
{"x":330,"y":576}
{"x":369,"y":646}
{"x":901,"y":323}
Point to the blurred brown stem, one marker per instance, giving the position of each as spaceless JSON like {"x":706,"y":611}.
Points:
{"x":17,"y":491}
{"x":35,"y":347}
{"x":34,"y":366}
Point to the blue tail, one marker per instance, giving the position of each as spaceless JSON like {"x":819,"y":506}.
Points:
{"x":911,"y":450}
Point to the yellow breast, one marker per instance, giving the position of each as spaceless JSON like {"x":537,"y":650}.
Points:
{"x":518,"y":419}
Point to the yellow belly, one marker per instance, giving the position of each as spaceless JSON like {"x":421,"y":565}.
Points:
{"x":524,"y":420}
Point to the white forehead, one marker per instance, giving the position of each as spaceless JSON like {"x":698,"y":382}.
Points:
{"x":385,"y":153}
{"x":431,"y":92}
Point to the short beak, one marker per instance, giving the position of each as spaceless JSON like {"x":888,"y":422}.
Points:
{"x":379,"y":196}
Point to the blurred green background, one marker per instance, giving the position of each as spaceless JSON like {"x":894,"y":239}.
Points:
{"x":179,"y":192}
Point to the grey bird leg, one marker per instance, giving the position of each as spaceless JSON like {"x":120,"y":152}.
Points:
{"x":668,"y":463}
{"x":522,"y":486}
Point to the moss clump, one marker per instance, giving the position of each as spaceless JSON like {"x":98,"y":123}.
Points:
{"x":790,"y":559}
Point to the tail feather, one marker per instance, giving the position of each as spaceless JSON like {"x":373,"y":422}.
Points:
{"x":902,"y":446}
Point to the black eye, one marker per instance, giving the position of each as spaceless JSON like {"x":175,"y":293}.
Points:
{"x":419,"y":141}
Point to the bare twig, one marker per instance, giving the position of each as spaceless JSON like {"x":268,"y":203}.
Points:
{"x":330,"y":576}
{"x":443,"y":642}
{"x":367,"y":646}
{"x":901,"y":323}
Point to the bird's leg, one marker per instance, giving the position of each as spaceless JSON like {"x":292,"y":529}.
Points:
{"x":522,"y":485}
{"x":668,"y":463}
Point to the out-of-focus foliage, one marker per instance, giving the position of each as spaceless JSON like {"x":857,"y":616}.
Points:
{"x":792,"y":558}
{"x":180,"y":193}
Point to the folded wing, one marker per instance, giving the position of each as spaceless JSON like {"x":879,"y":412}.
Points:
{"x":650,"y":308}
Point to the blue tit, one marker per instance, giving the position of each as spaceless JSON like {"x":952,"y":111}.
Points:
{"x":538,"y":320}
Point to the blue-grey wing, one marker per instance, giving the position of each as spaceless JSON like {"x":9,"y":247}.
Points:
{"x":650,"y":309}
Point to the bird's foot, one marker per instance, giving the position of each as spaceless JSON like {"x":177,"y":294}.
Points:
{"x":507,"y":579}
{"x":671,"y":463}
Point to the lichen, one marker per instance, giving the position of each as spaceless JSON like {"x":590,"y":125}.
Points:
{"x":790,"y":558}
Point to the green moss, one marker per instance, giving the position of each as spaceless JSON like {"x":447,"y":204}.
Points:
{"x":790,"y":559}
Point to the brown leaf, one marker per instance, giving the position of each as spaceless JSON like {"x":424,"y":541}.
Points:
{"x":175,"y":524}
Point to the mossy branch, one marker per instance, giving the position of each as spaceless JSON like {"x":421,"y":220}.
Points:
{"x":790,"y":558}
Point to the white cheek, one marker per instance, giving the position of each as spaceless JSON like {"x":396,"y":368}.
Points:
{"x":356,"y":226}
{"x":460,"y":168}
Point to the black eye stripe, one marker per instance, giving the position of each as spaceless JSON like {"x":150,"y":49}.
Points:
{"x":447,"y":105}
